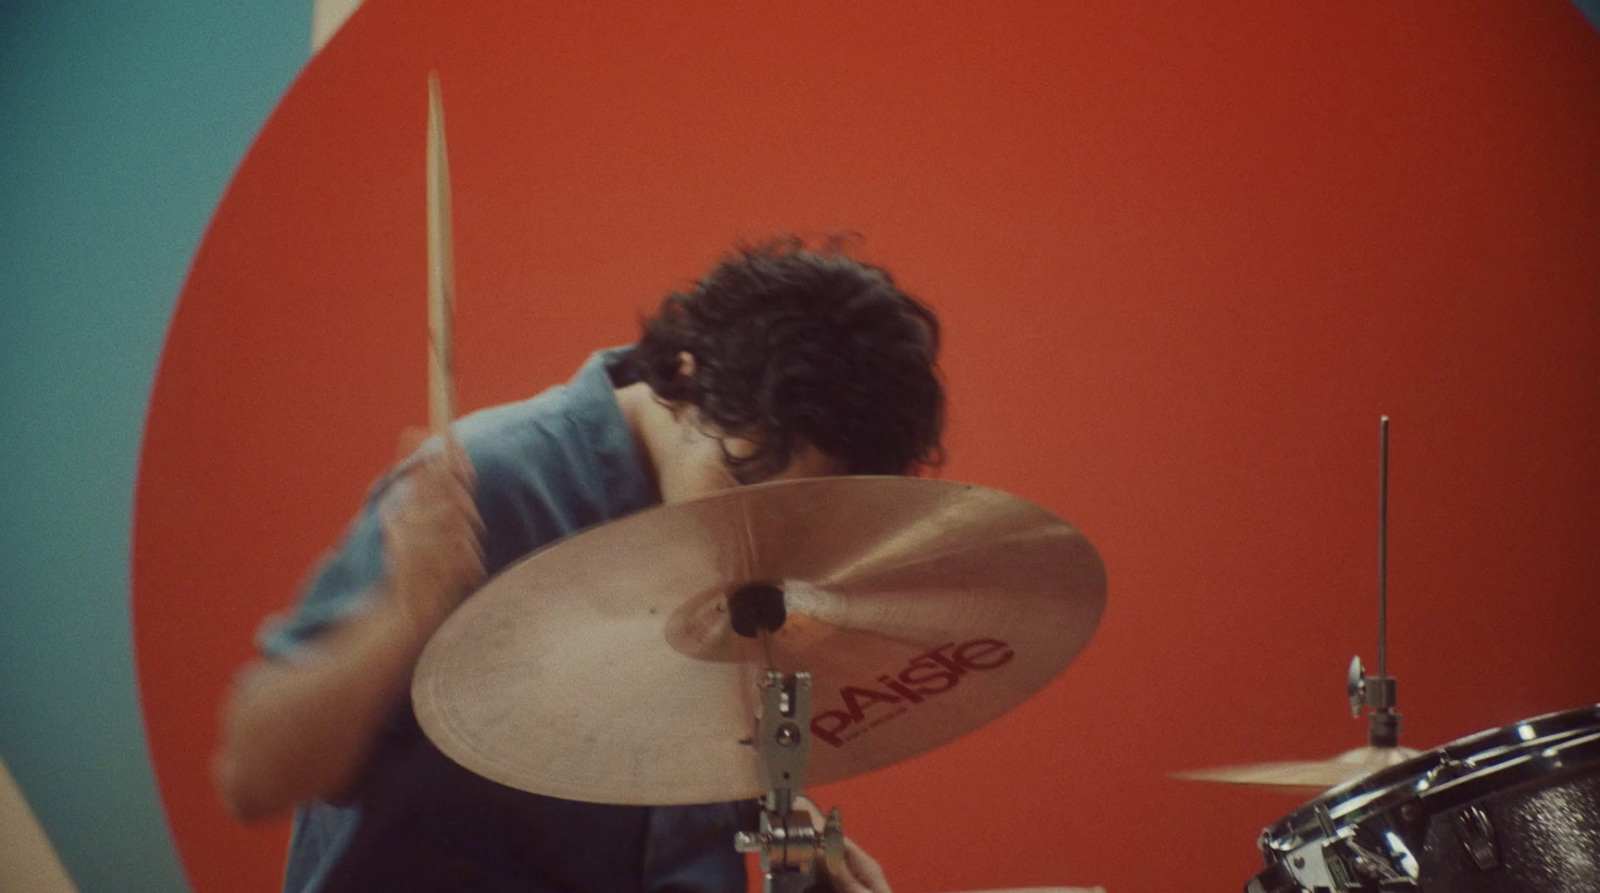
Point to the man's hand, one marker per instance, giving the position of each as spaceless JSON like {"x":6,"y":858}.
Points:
{"x":864,"y":874}
{"x":432,"y":535}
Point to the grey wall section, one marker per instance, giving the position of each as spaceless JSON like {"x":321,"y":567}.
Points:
{"x":120,"y":126}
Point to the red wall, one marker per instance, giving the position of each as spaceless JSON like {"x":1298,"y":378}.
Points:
{"x":1186,"y":255}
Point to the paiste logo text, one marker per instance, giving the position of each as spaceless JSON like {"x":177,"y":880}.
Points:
{"x":924,"y":676}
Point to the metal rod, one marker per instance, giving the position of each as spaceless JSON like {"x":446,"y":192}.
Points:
{"x":1383,"y":547}
{"x":765,"y":637}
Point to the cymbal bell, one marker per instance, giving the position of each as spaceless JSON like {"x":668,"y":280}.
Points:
{"x":604,"y":667}
{"x":1311,"y":774}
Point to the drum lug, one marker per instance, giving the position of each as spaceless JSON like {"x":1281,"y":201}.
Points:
{"x":1477,"y":835}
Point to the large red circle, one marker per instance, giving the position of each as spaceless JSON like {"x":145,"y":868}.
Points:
{"x":1185,"y":257}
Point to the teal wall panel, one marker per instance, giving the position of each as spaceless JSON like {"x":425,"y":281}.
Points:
{"x":120,"y":126}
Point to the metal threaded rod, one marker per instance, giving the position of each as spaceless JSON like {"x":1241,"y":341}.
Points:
{"x":1383,"y":547}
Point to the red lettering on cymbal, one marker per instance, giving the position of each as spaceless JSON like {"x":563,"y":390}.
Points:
{"x":983,"y":654}
{"x":857,"y":700}
{"x":924,"y":675}
{"x":828,"y":724}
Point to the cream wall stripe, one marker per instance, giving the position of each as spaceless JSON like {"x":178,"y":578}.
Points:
{"x":326,"y":17}
{"x":27,"y":860}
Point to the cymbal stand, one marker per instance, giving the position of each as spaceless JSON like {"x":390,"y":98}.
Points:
{"x":789,"y":844}
{"x":1378,"y":692}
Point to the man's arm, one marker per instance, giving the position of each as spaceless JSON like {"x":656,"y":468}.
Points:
{"x":302,"y":729}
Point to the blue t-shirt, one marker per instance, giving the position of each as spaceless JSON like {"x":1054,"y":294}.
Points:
{"x":547,"y":468}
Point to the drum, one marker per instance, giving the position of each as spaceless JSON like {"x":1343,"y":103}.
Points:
{"x":1510,"y":809}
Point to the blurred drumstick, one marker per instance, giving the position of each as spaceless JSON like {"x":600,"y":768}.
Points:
{"x":441,"y":269}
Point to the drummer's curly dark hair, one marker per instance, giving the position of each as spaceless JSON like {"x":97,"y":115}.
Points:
{"x":795,"y":345}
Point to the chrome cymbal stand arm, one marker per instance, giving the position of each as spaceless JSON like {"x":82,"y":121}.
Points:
{"x":787,"y":840}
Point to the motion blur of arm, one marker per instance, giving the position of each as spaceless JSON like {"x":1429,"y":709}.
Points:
{"x":304,"y":728}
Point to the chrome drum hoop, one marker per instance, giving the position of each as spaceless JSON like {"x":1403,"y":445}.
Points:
{"x":1513,"y":808}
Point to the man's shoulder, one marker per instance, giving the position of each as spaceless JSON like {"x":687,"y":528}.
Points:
{"x":572,"y":429}
{"x":554,"y":464}
{"x":545,"y":440}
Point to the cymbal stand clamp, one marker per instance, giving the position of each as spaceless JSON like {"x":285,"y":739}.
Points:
{"x":1377,"y":692}
{"x":788,"y":842}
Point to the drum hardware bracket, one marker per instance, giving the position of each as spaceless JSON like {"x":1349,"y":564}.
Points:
{"x":1349,"y":867}
{"x":1378,"y":693}
{"x":1370,"y":866}
{"x":1341,"y":864}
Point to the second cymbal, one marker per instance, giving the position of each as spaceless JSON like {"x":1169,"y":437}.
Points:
{"x":1309,"y":774}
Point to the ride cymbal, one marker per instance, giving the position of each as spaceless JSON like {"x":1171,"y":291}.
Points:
{"x":1320,"y":775}
{"x":604,"y":667}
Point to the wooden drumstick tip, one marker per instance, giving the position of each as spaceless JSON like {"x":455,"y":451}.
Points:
{"x":441,"y":267}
